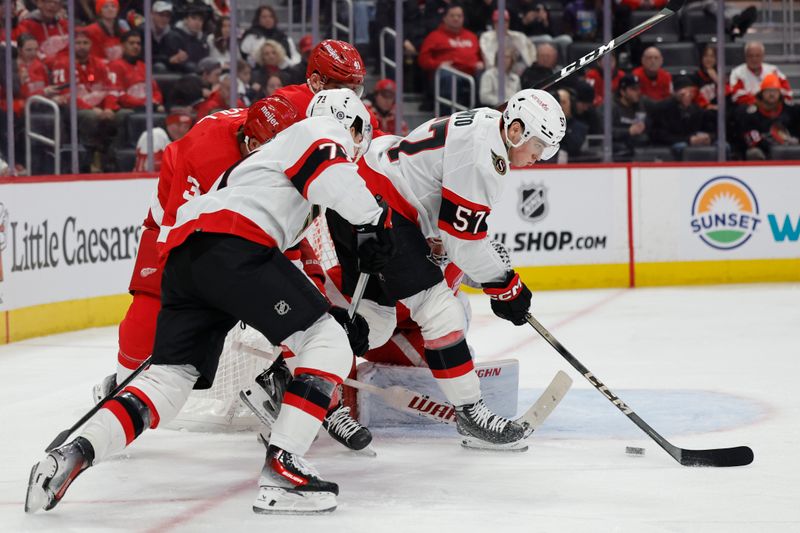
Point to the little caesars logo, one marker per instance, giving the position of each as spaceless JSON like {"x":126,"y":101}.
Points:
{"x":532,"y":204}
{"x":725,"y":213}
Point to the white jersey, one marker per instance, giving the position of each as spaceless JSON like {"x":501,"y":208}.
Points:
{"x":451,"y":170}
{"x":267,"y":197}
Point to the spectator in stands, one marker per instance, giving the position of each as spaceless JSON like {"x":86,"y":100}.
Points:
{"x":706,"y":79}
{"x":746,"y":78}
{"x":106,"y":32}
{"x":274,"y":82}
{"x":194,"y":40}
{"x":585,"y":109}
{"x":272,"y":60}
{"x":583,"y":19}
{"x":381,"y":103}
{"x":169,"y":49}
{"x":656,"y":83}
{"x":209,"y":70}
{"x":545,"y":65}
{"x":178,"y":124}
{"x":575,"y":136}
{"x":296,"y":74}
{"x":679,"y":122}
{"x":34,"y":77}
{"x":769,"y":121}
{"x":490,"y":81}
{"x":594,"y":76}
{"x":218,"y":100}
{"x":219,"y":42}
{"x":96,"y":101}
{"x":450,"y":45}
{"x":128,"y":76}
{"x":247,"y":93}
{"x":532,"y":18}
{"x":48,"y":27}
{"x":525,"y":52}
{"x":265,"y":26}
{"x":629,"y":118}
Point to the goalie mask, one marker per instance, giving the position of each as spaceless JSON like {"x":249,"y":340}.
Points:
{"x":344,"y":106}
{"x":541,"y":117}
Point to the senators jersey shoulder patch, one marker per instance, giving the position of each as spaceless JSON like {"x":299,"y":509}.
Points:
{"x":499,"y":163}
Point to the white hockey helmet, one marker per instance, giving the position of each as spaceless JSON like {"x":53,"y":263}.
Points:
{"x":541,"y":116}
{"x":346,"y":107}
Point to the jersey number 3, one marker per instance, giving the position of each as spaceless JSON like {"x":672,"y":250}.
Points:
{"x":436,"y":140}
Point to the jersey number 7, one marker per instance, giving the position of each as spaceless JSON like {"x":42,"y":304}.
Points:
{"x":438,"y":135}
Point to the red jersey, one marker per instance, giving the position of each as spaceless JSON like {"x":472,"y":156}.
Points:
{"x":33,"y":77}
{"x":129,"y":83}
{"x":300,"y":96}
{"x":53,"y":36}
{"x":191,"y":165}
{"x":595,"y":78}
{"x":93,"y":85}
{"x":460,"y":48}
{"x":656,"y":89}
{"x":213,"y":102}
{"x":105,"y":45}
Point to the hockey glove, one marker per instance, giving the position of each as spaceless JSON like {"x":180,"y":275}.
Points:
{"x":376,"y":242}
{"x":511,"y":299}
{"x":357,"y":329}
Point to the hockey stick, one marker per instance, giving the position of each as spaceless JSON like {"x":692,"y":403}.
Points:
{"x":358,"y":293}
{"x":61,"y":437}
{"x":422,"y":405}
{"x":738,"y":456}
{"x":672,"y":7}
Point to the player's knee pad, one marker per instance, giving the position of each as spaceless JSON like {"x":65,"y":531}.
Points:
{"x":437,"y":311}
{"x":381,"y":319}
{"x":322,"y":349}
{"x":163,"y":389}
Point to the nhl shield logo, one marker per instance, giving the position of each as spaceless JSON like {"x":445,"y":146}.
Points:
{"x":282,"y":307}
{"x":532,"y":202}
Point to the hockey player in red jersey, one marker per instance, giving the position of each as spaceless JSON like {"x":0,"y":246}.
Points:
{"x":225,"y":264}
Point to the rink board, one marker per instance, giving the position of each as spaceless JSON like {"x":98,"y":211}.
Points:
{"x":67,"y":243}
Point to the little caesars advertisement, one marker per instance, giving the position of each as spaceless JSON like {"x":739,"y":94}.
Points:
{"x":563,"y":216}
{"x":69,"y":240}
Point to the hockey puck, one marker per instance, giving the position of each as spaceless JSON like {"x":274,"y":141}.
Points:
{"x":632,"y":450}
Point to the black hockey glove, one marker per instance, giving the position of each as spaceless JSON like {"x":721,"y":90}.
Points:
{"x":511,"y":299}
{"x":376,"y":242}
{"x":357,"y":329}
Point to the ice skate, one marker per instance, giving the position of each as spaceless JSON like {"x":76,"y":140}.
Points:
{"x":290,"y":485}
{"x":485,"y":430}
{"x":51,"y":477}
{"x":265,"y":396}
{"x":346,"y":429}
{"x":104,"y":388}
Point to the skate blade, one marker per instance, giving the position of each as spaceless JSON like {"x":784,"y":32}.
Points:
{"x":278,"y":500}
{"x":37,"y":496}
{"x":482,"y":445}
{"x":368,"y":451}
{"x":253,"y":398}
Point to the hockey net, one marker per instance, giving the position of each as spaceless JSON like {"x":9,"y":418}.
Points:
{"x":219,"y":409}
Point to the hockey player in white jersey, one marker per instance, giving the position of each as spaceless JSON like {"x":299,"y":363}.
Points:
{"x":224,"y":265}
{"x":442,"y":180}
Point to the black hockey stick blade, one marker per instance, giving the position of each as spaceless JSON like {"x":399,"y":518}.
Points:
{"x":738,"y":456}
{"x":64,"y":435}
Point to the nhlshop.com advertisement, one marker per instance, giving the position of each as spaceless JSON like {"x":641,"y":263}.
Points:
{"x":563,"y":216}
{"x":68,"y":240}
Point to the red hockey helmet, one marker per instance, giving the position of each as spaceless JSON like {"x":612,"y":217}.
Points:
{"x":336,"y":61}
{"x":268,"y":117}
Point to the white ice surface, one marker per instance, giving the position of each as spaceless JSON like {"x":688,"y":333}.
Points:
{"x":707,"y":367}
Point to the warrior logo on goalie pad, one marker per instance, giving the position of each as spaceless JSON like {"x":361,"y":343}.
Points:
{"x":532,"y":202}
